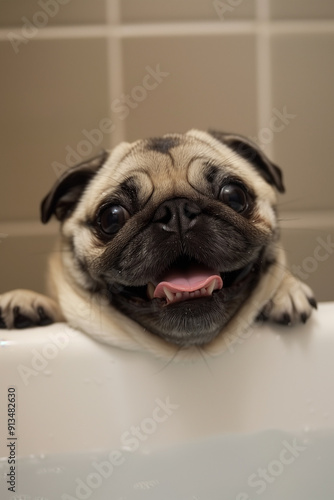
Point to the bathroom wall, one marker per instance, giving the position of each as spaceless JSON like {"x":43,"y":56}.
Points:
{"x":81,"y":75}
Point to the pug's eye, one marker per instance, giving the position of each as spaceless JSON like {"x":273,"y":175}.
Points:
{"x":234,"y":196}
{"x":112,"y":218}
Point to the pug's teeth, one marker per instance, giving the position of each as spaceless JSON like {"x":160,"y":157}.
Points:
{"x":150,"y":291}
{"x":211,"y":287}
{"x":169,"y":294}
{"x":181,"y":296}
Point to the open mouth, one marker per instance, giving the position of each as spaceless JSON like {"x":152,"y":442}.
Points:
{"x":187,"y":279}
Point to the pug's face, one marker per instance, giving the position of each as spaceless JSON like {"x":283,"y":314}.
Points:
{"x":175,"y":231}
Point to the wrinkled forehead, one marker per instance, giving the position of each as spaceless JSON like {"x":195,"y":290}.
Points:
{"x":179,"y":164}
{"x":167,"y":157}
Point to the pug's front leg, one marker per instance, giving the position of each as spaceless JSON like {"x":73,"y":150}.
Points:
{"x":26,"y":309}
{"x":292,"y":303}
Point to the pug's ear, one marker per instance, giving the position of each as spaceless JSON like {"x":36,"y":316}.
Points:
{"x":65,"y":194}
{"x":252,"y":153}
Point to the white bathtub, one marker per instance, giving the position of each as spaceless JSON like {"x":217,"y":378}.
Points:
{"x":100,"y":423}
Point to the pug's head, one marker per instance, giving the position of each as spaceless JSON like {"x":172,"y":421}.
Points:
{"x":175,"y":231}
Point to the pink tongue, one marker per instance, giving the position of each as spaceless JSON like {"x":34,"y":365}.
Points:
{"x":188,"y":280}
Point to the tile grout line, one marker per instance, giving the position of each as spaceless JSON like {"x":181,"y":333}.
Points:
{"x":206,"y":28}
{"x":262,"y":11}
{"x":114,"y":68}
{"x":263,"y":70}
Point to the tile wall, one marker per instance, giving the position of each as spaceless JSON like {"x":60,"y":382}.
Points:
{"x":264,"y":68}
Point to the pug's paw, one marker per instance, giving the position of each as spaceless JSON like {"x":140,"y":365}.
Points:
{"x":25,"y":309}
{"x":292,"y":303}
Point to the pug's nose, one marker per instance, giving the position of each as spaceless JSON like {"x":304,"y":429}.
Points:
{"x":178,"y":214}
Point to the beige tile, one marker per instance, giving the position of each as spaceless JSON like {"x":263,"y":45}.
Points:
{"x":134,"y":11}
{"x":303,"y":84}
{"x":51,"y":12}
{"x":314,"y":267}
{"x":302,"y":9}
{"x":23,"y":262}
{"x":211,"y":83}
{"x":51,"y":92}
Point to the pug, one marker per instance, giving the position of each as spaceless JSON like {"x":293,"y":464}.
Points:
{"x":169,"y":243}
